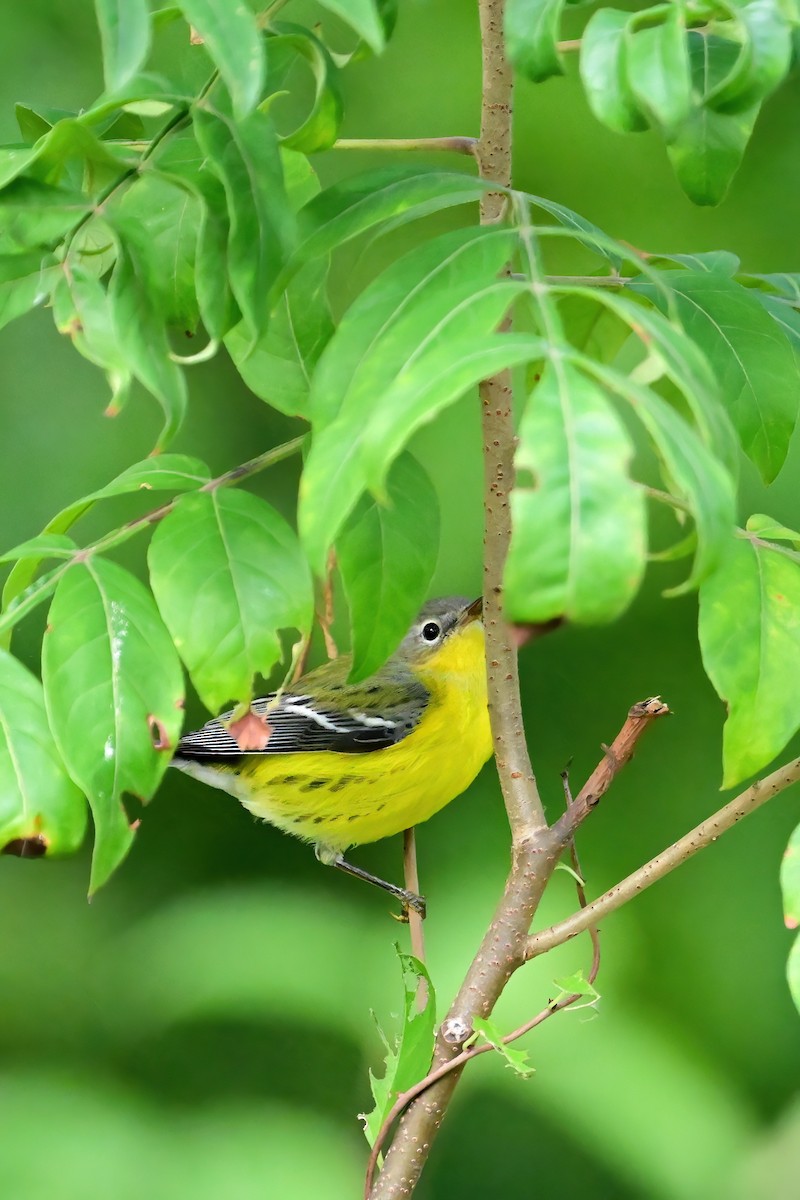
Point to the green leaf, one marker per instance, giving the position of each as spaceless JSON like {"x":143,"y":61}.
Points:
{"x":47,"y":545}
{"x":166,"y":472}
{"x":280,"y":365}
{"x":25,"y":283}
{"x":81,"y":311}
{"x":364,"y":17}
{"x":38,"y":799}
{"x":771,"y":530}
{"x":320,"y":128}
{"x":765,"y":57}
{"x":228,"y":574}
{"x":232,"y":38}
{"x":410,"y":1060}
{"x":658,"y":68}
{"x":579,"y":541}
{"x":793,"y":972}
{"x":125,"y":37}
{"x":604,"y":72}
{"x":584,"y":231}
{"x":785,"y":317}
{"x":722,"y":262}
{"x":415,"y":340}
{"x":531,"y":35}
{"x":216,"y":305}
{"x":750,"y":642}
{"x":141,"y":333}
{"x":244,"y":155}
{"x":35,"y":122}
{"x":576,"y":984}
{"x":386,"y":556}
{"x":790,"y":881}
{"x":33,"y":214}
{"x":749,"y":355}
{"x":516,"y":1059}
{"x":114,"y":694}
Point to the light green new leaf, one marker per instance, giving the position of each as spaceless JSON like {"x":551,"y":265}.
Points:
{"x":410,"y":1060}
{"x":790,"y":881}
{"x":414,"y":341}
{"x":245,"y":157}
{"x":750,"y":642}
{"x":771,"y":530}
{"x":657,"y":65}
{"x":604,"y":72}
{"x":38,"y":799}
{"x":125,"y":37}
{"x":280,"y":365}
{"x":516,"y":1059}
{"x":234,"y":44}
{"x":228,"y":574}
{"x":579,"y":534}
{"x":531,"y":35}
{"x":386,"y":556}
{"x":364,"y":17}
{"x":114,"y":693}
{"x":750,"y":356}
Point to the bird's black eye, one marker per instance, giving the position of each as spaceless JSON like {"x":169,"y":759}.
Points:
{"x":430,"y":631}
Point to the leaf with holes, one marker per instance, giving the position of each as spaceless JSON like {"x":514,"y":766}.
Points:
{"x":579,"y":544}
{"x":228,"y":574}
{"x":386,"y":555}
{"x":114,"y":693}
{"x":750,"y":642}
{"x":516,"y":1059}
{"x":38,"y":800}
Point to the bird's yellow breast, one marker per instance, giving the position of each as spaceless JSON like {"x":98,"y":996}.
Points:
{"x":340,"y":800}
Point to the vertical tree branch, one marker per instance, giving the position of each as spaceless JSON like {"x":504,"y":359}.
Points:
{"x":416,"y":928}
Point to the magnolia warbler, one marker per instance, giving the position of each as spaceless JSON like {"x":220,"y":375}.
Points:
{"x":339,"y":764}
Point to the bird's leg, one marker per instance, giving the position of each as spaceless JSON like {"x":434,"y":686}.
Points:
{"x":409,"y":899}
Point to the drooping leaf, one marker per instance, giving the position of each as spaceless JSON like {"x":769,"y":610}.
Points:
{"x":38,"y":800}
{"x":409,"y":1060}
{"x":114,"y":693}
{"x":386,"y":556}
{"x":765,"y":55}
{"x":125,"y":37}
{"x":47,"y":545}
{"x":82,"y":312}
{"x":244,"y":155}
{"x":531,"y":36}
{"x":364,"y":17}
{"x":751,"y":357}
{"x":579,"y":541}
{"x":657,"y":66}
{"x":320,"y":127}
{"x":228,"y":574}
{"x":750,"y":641}
{"x":231,"y":36}
{"x":604,"y":72}
{"x":414,"y":341}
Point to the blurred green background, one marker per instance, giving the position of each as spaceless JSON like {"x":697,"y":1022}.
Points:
{"x":204,"y":1028}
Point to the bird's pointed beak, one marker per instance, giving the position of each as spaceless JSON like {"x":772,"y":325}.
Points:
{"x":473,"y":612}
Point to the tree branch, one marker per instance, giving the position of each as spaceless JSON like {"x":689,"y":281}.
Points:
{"x":676,"y":854}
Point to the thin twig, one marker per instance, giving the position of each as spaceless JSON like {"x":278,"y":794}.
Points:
{"x":452,"y":145}
{"x":416,"y":927}
{"x":674,"y":856}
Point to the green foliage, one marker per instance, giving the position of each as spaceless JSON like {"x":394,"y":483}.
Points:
{"x":516,"y":1059}
{"x":790,"y":887}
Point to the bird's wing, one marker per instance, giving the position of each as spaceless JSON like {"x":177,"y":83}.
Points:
{"x":347,"y":721}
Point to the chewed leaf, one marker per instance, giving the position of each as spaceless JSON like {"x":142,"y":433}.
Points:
{"x":516,"y":1059}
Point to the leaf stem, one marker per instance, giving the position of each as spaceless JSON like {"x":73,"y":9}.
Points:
{"x":454,"y":145}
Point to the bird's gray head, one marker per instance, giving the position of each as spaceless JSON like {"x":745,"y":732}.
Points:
{"x":435,"y":623}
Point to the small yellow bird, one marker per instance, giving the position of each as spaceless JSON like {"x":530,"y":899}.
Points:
{"x":341,"y":764}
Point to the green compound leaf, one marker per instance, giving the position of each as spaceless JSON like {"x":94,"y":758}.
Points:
{"x":228,"y":574}
{"x":414,"y":341}
{"x":409,"y":1060}
{"x":114,"y":693}
{"x":234,"y":44}
{"x":603,"y":70}
{"x":125,"y":38}
{"x":579,"y":544}
{"x":531,"y":35}
{"x":750,"y":642}
{"x":516,"y":1059}
{"x":658,"y":67}
{"x":756,"y":368}
{"x":386,"y":556}
{"x":37,"y":797}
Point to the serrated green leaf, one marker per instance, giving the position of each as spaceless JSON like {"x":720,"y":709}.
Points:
{"x":228,"y":574}
{"x":751,"y":358}
{"x":790,"y":881}
{"x":750,"y":642}
{"x":320,"y":127}
{"x":125,"y":38}
{"x":604,"y":72}
{"x":38,"y":800}
{"x":244,"y":155}
{"x":771,"y":530}
{"x":531,"y":35}
{"x":364,"y":17}
{"x":47,"y":545}
{"x":280,"y":365}
{"x":234,"y":44}
{"x":657,"y":66}
{"x":579,"y":541}
{"x":386,"y":556}
{"x":516,"y":1059}
{"x":414,"y":341}
{"x":114,"y":693}
{"x":410,"y":1060}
